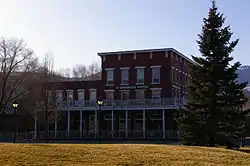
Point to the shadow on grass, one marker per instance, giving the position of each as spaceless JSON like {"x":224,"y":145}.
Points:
{"x":244,"y":150}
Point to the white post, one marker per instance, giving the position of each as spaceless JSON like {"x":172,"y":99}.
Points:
{"x":96,"y":124}
{"x":35,"y":127}
{"x":126,"y":125}
{"x":68,"y":123}
{"x":112,"y":123}
{"x":163,"y":124}
{"x":55,"y":123}
{"x":80,"y":123}
{"x":144,"y":124}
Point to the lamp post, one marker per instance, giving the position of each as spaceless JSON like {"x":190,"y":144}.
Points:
{"x":15,"y":105}
{"x":99,"y":102}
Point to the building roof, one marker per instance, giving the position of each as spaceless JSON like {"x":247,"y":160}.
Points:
{"x":145,"y":50}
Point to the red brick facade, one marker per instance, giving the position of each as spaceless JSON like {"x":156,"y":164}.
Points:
{"x":169,"y":60}
{"x":173,"y":67}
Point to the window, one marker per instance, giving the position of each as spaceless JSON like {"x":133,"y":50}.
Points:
{"x":139,"y":94}
{"x":156,"y":94}
{"x":124,"y":95}
{"x":173,"y":92}
{"x":125,"y":76}
{"x":110,"y":77}
{"x":110,"y":95}
{"x":81,"y":95}
{"x":177,"y":76}
{"x":140,"y":76}
{"x":173,"y":75}
{"x":156,"y":75}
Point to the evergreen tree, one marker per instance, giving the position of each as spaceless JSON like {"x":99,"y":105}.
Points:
{"x":214,"y":109}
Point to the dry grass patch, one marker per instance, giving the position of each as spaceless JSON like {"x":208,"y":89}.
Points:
{"x":118,"y":154}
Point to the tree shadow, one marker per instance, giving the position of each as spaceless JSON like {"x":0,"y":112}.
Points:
{"x":244,"y":150}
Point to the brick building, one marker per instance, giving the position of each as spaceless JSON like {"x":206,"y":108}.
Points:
{"x":141,"y":91}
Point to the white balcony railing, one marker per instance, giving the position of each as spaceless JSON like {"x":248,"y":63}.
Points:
{"x":130,"y":103}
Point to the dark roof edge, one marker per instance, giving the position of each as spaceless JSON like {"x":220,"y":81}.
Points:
{"x":146,"y":50}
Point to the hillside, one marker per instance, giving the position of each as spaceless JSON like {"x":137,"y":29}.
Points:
{"x":244,"y":73}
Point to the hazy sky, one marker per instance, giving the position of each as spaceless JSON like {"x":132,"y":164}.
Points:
{"x":75,"y":30}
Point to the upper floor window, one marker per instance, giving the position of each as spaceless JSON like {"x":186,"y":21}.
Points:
{"x":177,"y":76}
{"x":125,"y":76}
{"x":156,"y":74}
{"x":140,"y":75}
{"x":110,"y":77}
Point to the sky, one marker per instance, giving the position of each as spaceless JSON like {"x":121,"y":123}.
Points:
{"x":76,"y":30}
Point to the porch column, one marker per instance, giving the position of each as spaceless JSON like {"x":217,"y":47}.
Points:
{"x":55,"y":123}
{"x":126,"y":125}
{"x":163,"y":124}
{"x":112,"y":123}
{"x":35,"y":127}
{"x":144,"y":124}
{"x":96,"y":124}
{"x":68,"y":123}
{"x":80,"y":123}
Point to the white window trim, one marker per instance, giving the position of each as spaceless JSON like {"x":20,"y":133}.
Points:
{"x":69,"y":90}
{"x":80,"y":90}
{"x":155,"y":89}
{"x":124,"y":90}
{"x":177,"y":87}
{"x":140,"y":89}
{"x":140,"y":67}
{"x":109,"y":90}
{"x":124,"y":68}
{"x":158,"y":66}
{"x":109,"y":69}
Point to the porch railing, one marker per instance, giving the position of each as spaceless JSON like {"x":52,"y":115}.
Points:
{"x":130,"y":103}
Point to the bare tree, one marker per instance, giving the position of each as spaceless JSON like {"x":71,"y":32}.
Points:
{"x":65,"y":72}
{"x":80,"y":71}
{"x":17,"y":62}
{"x":93,"y":68}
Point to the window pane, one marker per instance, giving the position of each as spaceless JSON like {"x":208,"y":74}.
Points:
{"x":125,"y":95}
{"x":110,"y":96}
{"x":156,"y":94}
{"x":156,"y":75}
{"x":140,"y":94}
{"x":125,"y":76}
{"x":81,"y":96}
{"x":173,"y":75}
{"x":140,"y":76}
{"x":110,"y":77}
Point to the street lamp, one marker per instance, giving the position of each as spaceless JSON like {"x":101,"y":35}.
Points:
{"x":99,"y":103}
{"x":15,"y":105}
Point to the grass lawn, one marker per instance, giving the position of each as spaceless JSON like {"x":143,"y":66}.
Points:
{"x":118,"y":154}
